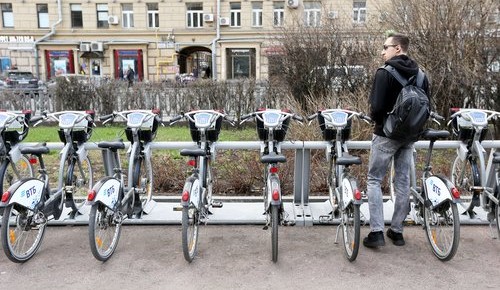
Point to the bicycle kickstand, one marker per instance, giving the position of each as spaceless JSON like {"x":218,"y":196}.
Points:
{"x":493,"y":232}
{"x":337,"y":234}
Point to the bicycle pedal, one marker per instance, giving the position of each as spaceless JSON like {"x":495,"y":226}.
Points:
{"x":288,"y":223}
{"x":177,"y":208}
{"x":265,"y":228}
{"x":324,"y":219}
{"x":217,"y":204}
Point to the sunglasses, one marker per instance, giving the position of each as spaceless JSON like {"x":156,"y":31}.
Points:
{"x":386,"y":46}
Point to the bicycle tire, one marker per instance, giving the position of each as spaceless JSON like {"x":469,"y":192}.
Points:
{"x":497,"y":216}
{"x":190,"y":227}
{"x":8,"y":176}
{"x":21,"y":239}
{"x":469,"y":178}
{"x":350,"y":218}
{"x":143,"y":180}
{"x":104,"y":232}
{"x":442,"y":229}
{"x":81,"y":179}
{"x":274,"y":231}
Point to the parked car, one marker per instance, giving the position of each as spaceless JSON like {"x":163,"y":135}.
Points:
{"x":18,"y":79}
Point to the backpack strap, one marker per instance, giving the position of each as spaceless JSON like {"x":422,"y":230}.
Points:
{"x":401,"y":79}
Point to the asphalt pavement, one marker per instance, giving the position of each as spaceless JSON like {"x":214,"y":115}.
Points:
{"x":239,"y":257}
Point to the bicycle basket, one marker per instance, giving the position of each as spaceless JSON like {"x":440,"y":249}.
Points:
{"x":145,"y":134}
{"x":17,"y":130}
{"x":212,"y":132}
{"x":81,"y":131}
{"x":330,"y":133}
{"x":278,"y":134}
{"x":464,"y":130}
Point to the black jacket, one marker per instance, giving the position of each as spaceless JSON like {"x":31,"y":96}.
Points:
{"x":386,"y":89}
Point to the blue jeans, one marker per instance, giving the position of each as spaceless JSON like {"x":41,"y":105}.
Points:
{"x":382,"y":151}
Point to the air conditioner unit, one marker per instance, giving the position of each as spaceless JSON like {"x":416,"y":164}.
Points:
{"x":224,"y":21}
{"x":208,"y":17}
{"x":113,"y":19}
{"x":96,"y":46}
{"x":84,"y":47}
{"x":294,"y":4}
{"x":333,"y":14}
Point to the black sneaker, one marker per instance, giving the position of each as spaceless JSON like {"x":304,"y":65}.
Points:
{"x":397,"y":238}
{"x":374,"y":239}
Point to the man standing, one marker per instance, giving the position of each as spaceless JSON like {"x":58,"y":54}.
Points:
{"x":130,"y":76}
{"x":383,"y":96}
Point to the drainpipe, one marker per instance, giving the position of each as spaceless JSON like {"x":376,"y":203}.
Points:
{"x":214,"y":44}
{"x":52,"y":32}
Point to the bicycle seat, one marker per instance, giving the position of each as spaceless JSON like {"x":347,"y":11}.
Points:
{"x":39,"y":150}
{"x":273,"y":158}
{"x":193,"y":152}
{"x":435,"y":134}
{"x":111,"y":145}
{"x":348,"y":160}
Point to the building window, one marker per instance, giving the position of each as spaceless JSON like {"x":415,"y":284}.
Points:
{"x":128,"y":15}
{"x":312,"y":14}
{"x":240,"y":63}
{"x":257,"y":14}
{"x":7,"y":15}
{"x":153,"y":15}
{"x":235,"y":14}
{"x":76,"y":16}
{"x":194,"y":15}
{"x":125,"y":58}
{"x":359,"y":11}
{"x":278,"y":13}
{"x":102,"y":16}
{"x":43,"y":15}
{"x":59,"y":62}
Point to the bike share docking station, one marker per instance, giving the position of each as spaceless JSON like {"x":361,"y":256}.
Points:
{"x":301,"y":208}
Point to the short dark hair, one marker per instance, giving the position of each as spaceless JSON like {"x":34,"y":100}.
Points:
{"x":401,"y":40}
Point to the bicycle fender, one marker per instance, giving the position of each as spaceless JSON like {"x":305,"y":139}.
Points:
{"x":274,"y":184}
{"x":107,"y":192}
{"x":437,"y":190}
{"x":82,"y":153}
{"x":192,"y":186}
{"x":26,"y":192}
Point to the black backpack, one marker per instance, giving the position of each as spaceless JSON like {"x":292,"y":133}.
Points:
{"x":411,"y":111}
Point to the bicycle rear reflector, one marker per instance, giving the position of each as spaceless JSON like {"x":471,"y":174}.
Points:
{"x":357,"y":194}
{"x":5,"y":196}
{"x":185,"y":196}
{"x":191,"y":162}
{"x":455,"y":193}
{"x":273,"y":169}
{"x":91,"y":195}
{"x":276,"y":195}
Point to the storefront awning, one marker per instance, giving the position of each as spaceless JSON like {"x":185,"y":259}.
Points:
{"x":92,"y":54}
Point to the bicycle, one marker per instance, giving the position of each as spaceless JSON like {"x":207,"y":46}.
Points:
{"x":435,"y":201}
{"x":345,"y":195}
{"x":75,"y":176}
{"x":475,"y":177}
{"x":196,"y":198}
{"x":272,"y":126}
{"x":111,"y":200}
{"x":14,"y":127}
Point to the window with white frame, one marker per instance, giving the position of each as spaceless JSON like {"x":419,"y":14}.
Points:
{"x":43,"y":15}
{"x":235,"y":13}
{"x":359,"y":11}
{"x":194,"y":15}
{"x":278,"y":13}
{"x":312,"y":14}
{"x":128,"y":15}
{"x":257,"y":14}
{"x":76,"y":15}
{"x":102,"y":15}
{"x":153,"y":15}
{"x":7,"y":15}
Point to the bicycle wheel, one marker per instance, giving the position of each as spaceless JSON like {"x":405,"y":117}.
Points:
{"x":143,"y":179}
{"x":274,"y":231}
{"x":442,"y":227}
{"x":104,"y":231}
{"x":190,"y":225}
{"x":351,"y":230}
{"x":80,"y":179}
{"x":464,"y":176}
{"x":12,"y":172}
{"x":21,"y":235}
